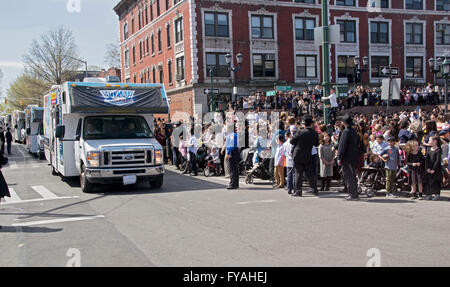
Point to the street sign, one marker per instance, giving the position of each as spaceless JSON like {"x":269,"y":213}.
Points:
{"x":270,"y":93}
{"x":284,"y":88}
{"x":214,"y":91}
{"x":395,"y":89}
{"x":385,"y":71}
{"x":334,"y":32}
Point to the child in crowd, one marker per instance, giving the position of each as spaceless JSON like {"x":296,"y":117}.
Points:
{"x":214,"y":155}
{"x":288,"y":152}
{"x":416,"y":164}
{"x":326,"y":156}
{"x":391,"y":157}
{"x":279,"y":162}
{"x":433,"y":168}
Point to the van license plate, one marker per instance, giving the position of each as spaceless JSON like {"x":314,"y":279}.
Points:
{"x":129,"y":179}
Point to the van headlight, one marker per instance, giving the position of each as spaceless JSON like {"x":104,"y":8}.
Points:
{"x":159,"y":157}
{"x":93,"y":159}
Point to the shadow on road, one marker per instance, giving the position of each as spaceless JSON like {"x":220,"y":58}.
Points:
{"x":28,"y":229}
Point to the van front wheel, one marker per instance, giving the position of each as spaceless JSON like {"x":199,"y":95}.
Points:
{"x":85,"y":185}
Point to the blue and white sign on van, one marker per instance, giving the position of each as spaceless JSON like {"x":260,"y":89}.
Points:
{"x":118,"y":97}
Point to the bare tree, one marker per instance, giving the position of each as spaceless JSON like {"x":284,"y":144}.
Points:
{"x":112,"y":56}
{"x":52,"y":57}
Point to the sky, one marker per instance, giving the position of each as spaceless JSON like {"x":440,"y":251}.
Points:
{"x":22,"y":21}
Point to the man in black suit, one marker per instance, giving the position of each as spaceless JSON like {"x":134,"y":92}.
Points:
{"x":303,"y":142}
{"x":348,"y":157}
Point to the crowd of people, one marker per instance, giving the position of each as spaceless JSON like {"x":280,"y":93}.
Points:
{"x":300,"y":144}
{"x":310,"y":101}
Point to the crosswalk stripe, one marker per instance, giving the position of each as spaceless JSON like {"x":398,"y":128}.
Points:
{"x":61,"y":220}
{"x":44,"y":192}
{"x":14,"y":196}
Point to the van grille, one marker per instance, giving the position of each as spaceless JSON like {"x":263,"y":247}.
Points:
{"x":127,"y":158}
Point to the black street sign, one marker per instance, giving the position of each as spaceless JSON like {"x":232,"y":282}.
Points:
{"x":386,"y":71}
{"x":214,"y":91}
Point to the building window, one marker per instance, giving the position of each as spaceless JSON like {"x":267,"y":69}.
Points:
{"x":153,"y":43}
{"x":132,"y":26}
{"x":151,"y":10}
{"x":379,"y":33}
{"x":216,"y":62}
{"x":179,"y":30}
{"x":346,"y":66}
{"x":262,"y":27}
{"x":414,"y":67}
{"x":158,"y":8}
{"x":140,"y":50}
{"x":169,"y":71}
{"x":414,"y":33}
{"x":443,"y":5}
{"x":134,"y":78}
{"x":345,"y":2}
{"x":159,"y":41}
{"x":161,"y":75}
{"x":379,"y":3}
{"x":169,"y":40}
{"x":134,"y":55}
{"x":216,"y":24}
{"x":414,"y":4}
{"x":127,"y":58}
{"x":348,"y":31}
{"x":443,"y":34}
{"x":306,"y":66}
{"x":147,"y":44}
{"x":125,"y":31}
{"x":167,"y":5}
{"x":154,"y":74}
{"x":146,"y":14}
{"x":376,"y":63}
{"x":264,"y":65}
{"x":306,"y":1}
{"x":139,"y":19}
{"x":304,"y":28}
{"x":180,"y":68}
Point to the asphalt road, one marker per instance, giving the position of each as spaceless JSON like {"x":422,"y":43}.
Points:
{"x":197,"y":222}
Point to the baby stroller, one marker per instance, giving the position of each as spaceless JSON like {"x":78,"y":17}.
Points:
{"x":371,"y":181}
{"x":246,"y":162}
{"x":261,"y":169}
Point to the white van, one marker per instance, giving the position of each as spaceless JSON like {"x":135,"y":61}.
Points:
{"x":33,"y":124}
{"x":103,"y":132}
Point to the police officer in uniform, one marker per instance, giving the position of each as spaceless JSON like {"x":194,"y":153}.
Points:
{"x":233,"y":155}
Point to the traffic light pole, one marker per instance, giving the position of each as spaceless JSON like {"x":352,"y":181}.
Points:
{"x":325,"y":61}
{"x":390,"y":90}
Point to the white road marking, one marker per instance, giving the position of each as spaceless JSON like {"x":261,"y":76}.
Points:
{"x":21,"y":152}
{"x":60,"y":220}
{"x":256,"y":201}
{"x":44,"y":192}
{"x":14,"y":196}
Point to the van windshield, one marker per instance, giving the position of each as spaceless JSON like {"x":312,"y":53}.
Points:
{"x":116,"y":127}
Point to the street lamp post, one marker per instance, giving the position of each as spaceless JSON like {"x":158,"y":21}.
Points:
{"x":446,"y":71}
{"x":84,"y":62}
{"x":326,"y":60}
{"x":441,"y":66}
{"x":358,"y":71}
{"x":239,"y":59}
{"x":211,"y":94}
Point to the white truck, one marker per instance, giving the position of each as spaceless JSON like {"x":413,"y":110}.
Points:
{"x":34,"y":116}
{"x":102,"y":132}
{"x":18,"y":126}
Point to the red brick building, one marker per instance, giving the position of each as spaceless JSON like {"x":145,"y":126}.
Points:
{"x":177,"y":42}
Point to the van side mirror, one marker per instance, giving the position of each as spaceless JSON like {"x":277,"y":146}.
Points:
{"x":28,"y":131}
{"x":60,"y":132}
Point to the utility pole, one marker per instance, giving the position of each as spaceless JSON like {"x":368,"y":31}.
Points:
{"x":211,"y":95}
{"x":390,"y":90}
{"x":326,"y":60}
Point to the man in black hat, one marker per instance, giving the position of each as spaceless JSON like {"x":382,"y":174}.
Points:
{"x":303,"y":142}
{"x":348,"y":157}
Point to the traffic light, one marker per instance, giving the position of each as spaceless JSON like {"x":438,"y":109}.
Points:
{"x":21,"y":103}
